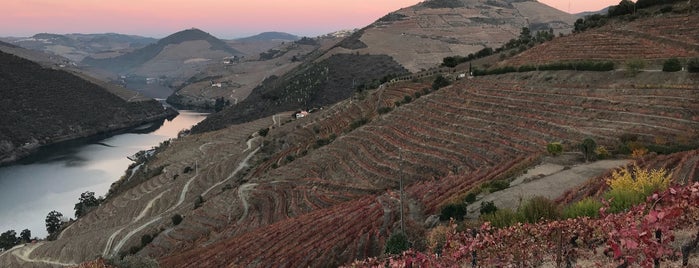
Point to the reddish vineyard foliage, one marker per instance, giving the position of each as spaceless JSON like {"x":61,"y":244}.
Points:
{"x":640,"y":237}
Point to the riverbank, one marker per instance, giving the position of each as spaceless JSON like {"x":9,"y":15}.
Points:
{"x":11,"y":153}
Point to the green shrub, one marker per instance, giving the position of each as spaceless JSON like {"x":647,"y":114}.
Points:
{"x":672,"y":65}
{"x":407,"y":99}
{"x":176,"y":219}
{"x":440,"y":82}
{"x":384,"y":110}
{"x":631,"y":187}
{"x":554,"y":148}
{"x":358,"y":123}
{"x":488,"y":207}
{"x":537,"y":209}
{"x":501,"y":218}
{"x":693,"y":65}
{"x":587,"y":207}
{"x":455,"y":211}
{"x":634,"y":66}
{"x":397,"y":243}
{"x":496,"y":185}
{"x":145,"y":240}
{"x":526,"y":68}
{"x":263,"y":132}
{"x":470,"y":197}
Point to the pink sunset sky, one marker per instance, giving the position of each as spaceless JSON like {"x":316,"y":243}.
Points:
{"x":222,"y":18}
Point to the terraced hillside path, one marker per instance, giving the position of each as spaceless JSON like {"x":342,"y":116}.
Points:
{"x":22,"y":253}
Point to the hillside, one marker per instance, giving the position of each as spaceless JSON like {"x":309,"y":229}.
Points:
{"x":166,"y":56}
{"x":43,"y":106}
{"x":78,"y":46}
{"x":652,"y":39}
{"x":418,"y":37}
{"x":408,"y":40}
{"x":240,"y":75}
{"x":442,"y":144}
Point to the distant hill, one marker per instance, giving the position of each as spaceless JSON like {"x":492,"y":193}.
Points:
{"x":42,"y":106}
{"x":269,"y":36}
{"x":420,"y":36}
{"x":141,"y":56}
{"x":78,"y":46}
{"x":588,"y":13}
{"x":408,"y":40}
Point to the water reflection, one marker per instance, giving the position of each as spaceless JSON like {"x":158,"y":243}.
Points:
{"x":54,"y":178}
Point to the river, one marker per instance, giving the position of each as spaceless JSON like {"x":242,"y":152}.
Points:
{"x":55,"y":177}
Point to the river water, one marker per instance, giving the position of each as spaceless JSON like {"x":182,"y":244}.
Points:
{"x":55,"y":177}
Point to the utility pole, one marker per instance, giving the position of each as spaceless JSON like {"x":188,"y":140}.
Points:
{"x":400,"y":176}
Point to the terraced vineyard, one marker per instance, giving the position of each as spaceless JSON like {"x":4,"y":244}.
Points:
{"x":442,"y":145}
{"x":649,"y":39}
{"x":322,"y":190}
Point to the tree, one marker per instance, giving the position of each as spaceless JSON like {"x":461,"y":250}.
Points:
{"x":587,"y":147}
{"x":624,"y":7}
{"x":86,"y":202}
{"x":397,"y":243}
{"x":8,"y":239}
{"x":26,"y":236}
{"x":440,"y":82}
{"x":693,"y":65}
{"x":53,"y":221}
{"x":176,"y":219}
{"x":672,"y":65}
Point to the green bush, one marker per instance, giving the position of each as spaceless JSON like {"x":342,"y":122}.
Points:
{"x":587,"y":147}
{"x":358,"y":123}
{"x":672,"y":65}
{"x":145,"y":240}
{"x":554,"y":148}
{"x":488,"y":208}
{"x":440,"y":82}
{"x":263,"y":132}
{"x":587,"y":207}
{"x":397,"y":243}
{"x":470,"y":197}
{"x":384,"y":110}
{"x":176,"y":219}
{"x":634,"y":66}
{"x":407,"y":99}
{"x":455,"y":211}
{"x":496,"y":185}
{"x":537,"y":209}
{"x":501,"y":218}
{"x":526,"y":68}
{"x":693,"y":65}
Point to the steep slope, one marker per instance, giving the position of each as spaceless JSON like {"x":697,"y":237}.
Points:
{"x":654,"y":38}
{"x":311,"y":85}
{"x":234,"y":79}
{"x":42,"y":106}
{"x":411,"y":39}
{"x":418,"y":37}
{"x":192,"y":44}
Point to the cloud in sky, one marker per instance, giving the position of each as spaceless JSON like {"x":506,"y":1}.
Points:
{"x":223,"y":18}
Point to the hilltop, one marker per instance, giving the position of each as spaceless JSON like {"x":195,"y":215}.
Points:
{"x":43,"y":106}
{"x":269,"y":36}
